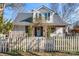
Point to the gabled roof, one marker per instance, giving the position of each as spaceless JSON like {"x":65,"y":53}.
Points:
{"x":44,"y":8}
{"x":27,"y":18}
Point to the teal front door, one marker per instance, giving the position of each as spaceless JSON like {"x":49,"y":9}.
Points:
{"x":38,"y":31}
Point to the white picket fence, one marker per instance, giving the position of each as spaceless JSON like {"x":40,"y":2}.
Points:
{"x":39,"y":44}
{"x":56,"y":43}
{"x":3,"y":43}
{"x":23,"y":43}
{"x":66,"y":43}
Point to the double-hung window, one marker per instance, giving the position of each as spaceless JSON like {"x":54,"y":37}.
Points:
{"x":48,"y":16}
{"x":45,"y":16}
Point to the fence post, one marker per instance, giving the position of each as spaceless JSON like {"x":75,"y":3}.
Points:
{"x":67,"y":43}
{"x":78,"y":43}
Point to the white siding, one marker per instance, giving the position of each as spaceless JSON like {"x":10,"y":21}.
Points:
{"x":17,"y":31}
{"x":51,"y":17}
{"x":59,"y":31}
{"x":19,"y":28}
{"x":34,"y":16}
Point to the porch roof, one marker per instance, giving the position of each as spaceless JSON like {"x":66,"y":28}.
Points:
{"x":21,"y":23}
{"x":46,"y":24}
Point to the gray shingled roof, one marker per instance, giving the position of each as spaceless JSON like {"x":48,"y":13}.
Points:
{"x":57,"y":20}
{"x":23,"y":19}
{"x":44,"y":8}
{"x":26,"y":19}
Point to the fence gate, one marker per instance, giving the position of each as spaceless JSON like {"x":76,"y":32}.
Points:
{"x":39,"y":44}
{"x":70,"y":43}
{"x":35,"y":43}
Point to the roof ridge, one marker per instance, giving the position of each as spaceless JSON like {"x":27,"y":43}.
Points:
{"x":43,"y":6}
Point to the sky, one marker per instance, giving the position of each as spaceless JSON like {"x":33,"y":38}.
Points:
{"x":70,"y":11}
{"x":31,"y":6}
{"x":10,"y":14}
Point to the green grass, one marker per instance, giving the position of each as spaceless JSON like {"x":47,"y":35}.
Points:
{"x":13,"y":53}
{"x":34,"y":53}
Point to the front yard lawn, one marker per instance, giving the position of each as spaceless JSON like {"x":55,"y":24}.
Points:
{"x":41,"y":53}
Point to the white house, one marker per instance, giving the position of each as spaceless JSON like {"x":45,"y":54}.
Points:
{"x":40,"y":22}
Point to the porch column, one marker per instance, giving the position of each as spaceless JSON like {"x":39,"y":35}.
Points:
{"x":33,"y":31}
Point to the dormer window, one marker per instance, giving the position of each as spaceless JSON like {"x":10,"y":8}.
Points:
{"x":40,"y":16}
{"x":48,"y":16}
{"x":45,"y":16}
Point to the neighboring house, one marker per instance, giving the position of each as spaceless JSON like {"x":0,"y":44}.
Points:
{"x":41,"y":22}
{"x":75,"y":29}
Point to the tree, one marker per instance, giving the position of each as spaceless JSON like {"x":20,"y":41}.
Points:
{"x":48,"y":32}
{"x":30,"y":31}
{"x":8,"y":26}
{"x":1,"y":24}
{"x":67,"y":11}
{"x":16,"y":7}
{"x":5,"y":26}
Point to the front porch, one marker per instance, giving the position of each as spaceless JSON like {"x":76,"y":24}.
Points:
{"x":43,"y":29}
